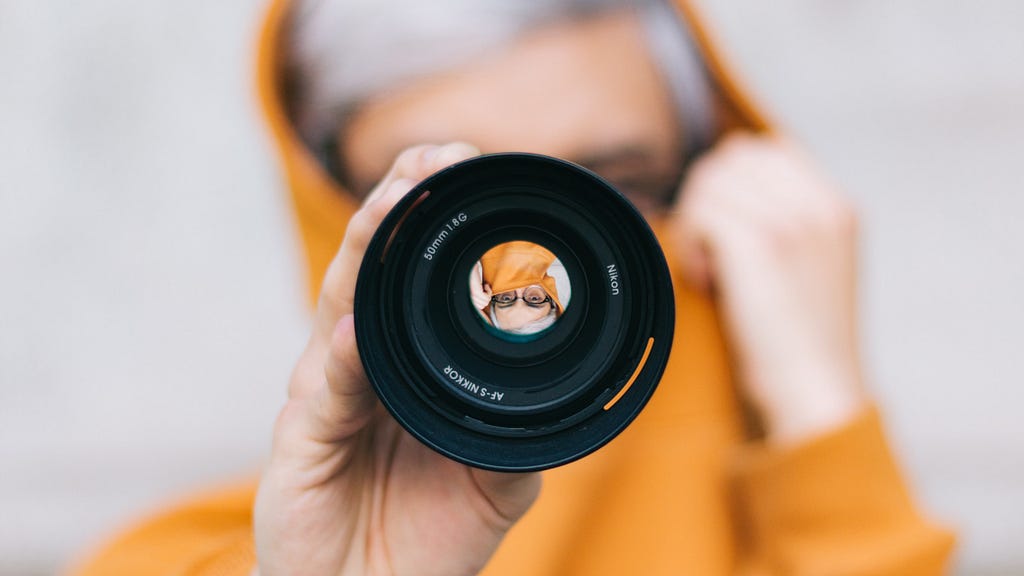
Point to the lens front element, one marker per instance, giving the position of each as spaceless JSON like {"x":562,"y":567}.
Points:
{"x":519,"y":288}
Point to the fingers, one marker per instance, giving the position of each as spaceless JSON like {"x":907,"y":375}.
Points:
{"x":777,"y":241}
{"x":411,"y":166}
{"x":336,"y":402}
{"x":344,"y":401}
{"x":706,"y":217}
{"x":330,"y":397}
{"x":753,"y":192}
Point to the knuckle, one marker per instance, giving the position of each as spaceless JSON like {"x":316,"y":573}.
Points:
{"x":343,"y":363}
{"x":362,"y":225}
{"x":340,"y":356}
{"x":287,"y":419}
{"x":374,"y":214}
{"x":409,"y":155}
{"x":303,"y":374}
{"x":453,"y":152}
{"x":409,"y":160}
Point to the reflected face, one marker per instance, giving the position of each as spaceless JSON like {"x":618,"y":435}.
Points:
{"x":516,"y":308}
{"x":587,"y":91}
{"x":519,"y":287}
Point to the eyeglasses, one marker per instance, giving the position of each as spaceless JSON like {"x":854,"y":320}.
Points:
{"x":533,"y":296}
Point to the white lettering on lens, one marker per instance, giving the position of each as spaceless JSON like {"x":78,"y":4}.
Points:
{"x":613,"y":279}
{"x":456,"y":221}
{"x":449,"y":226}
{"x":432,"y":249}
{"x":460,"y":380}
{"x":496,"y":396}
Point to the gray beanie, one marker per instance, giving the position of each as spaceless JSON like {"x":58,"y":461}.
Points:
{"x":345,"y":51}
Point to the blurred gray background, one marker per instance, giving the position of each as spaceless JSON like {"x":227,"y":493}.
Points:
{"x":150,"y":303}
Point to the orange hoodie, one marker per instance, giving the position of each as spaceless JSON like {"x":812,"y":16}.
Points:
{"x":682,"y":491}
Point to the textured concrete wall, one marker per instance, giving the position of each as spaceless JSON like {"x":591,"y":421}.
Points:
{"x":149,"y":303}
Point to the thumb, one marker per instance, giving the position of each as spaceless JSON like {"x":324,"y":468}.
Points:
{"x":411,"y":166}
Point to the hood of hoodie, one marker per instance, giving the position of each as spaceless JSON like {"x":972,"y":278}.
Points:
{"x":323,"y":207}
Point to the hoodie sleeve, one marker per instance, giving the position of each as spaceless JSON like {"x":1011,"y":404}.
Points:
{"x":210,"y":535}
{"x":836,"y":505}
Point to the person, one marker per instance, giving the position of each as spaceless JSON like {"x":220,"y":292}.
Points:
{"x":760,"y":453}
{"x":512,"y":288}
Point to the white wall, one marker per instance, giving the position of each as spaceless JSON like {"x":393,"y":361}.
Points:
{"x":149,"y":303}
{"x":149,"y":299}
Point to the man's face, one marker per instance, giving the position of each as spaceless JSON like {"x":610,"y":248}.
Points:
{"x":587,"y":91}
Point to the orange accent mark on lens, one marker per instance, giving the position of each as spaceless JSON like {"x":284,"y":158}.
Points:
{"x":401,"y":221}
{"x":639,"y":367}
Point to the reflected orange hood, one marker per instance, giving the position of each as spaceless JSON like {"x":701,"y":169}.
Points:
{"x":514,"y":265}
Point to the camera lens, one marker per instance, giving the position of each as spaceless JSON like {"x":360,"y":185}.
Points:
{"x":514,"y":312}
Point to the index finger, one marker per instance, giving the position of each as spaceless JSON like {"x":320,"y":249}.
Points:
{"x":338,"y":289}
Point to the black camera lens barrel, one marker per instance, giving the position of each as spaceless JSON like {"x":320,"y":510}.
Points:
{"x":476,"y":394}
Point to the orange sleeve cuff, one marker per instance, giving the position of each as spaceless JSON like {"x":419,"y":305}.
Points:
{"x":237,"y":558}
{"x":208,"y":535}
{"x":836,"y":504}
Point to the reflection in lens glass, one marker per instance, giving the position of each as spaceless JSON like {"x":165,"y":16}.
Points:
{"x":519,"y":287}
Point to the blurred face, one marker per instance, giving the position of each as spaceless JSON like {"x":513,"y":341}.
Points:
{"x":587,"y":91}
{"x":517,"y":308}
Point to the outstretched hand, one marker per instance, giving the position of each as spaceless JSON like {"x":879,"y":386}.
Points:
{"x":347,"y":490}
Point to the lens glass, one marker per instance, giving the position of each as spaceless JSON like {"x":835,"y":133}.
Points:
{"x":519,"y":288}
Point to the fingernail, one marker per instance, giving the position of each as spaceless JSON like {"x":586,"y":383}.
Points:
{"x":429,"y":153}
